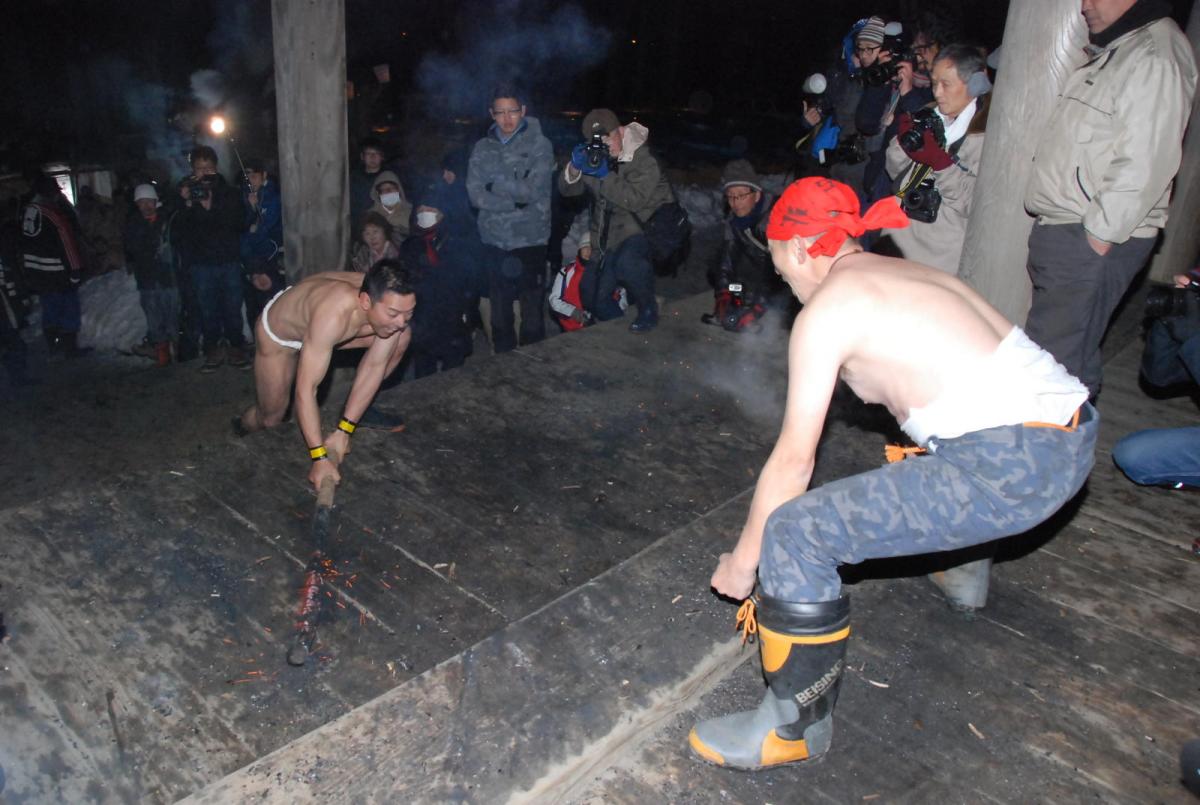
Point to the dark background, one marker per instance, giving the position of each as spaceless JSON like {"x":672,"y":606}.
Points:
{"x":118,"y":84}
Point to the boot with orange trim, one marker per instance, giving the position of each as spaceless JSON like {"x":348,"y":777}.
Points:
{"x":803,"y":649}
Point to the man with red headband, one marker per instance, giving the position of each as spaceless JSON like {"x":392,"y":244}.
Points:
{"x":1006,"y":437}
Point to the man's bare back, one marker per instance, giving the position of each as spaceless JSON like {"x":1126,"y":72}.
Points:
{"x":906,"y":331}
{"x":332,"y":295}
{"x":1007,"y":434}
{"x":295,"y":337}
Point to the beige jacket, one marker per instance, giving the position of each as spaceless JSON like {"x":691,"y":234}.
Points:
{"x":940,"y":243}
{"x":630,"y":193}
{"x":398,"y":216}
{"x":1112,"y":145}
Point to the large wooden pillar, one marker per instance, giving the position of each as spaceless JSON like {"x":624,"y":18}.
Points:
{"x":1043,"y":44}
{"x":310,"y":100}
{"x":1180,"y":247}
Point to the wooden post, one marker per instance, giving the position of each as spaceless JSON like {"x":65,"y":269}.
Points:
{"x":310,"y":100}
{"x":1043,"y":44}
{"x":1180,"y":248}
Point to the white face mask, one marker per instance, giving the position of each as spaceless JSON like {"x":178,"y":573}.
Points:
{"x":427,"y":219}
{"x":390,"y":199}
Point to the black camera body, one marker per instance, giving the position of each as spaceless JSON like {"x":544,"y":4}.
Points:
{"x":923,"y":120}
{"x":879,"y":74}
{"x":821,"y":102}
{"x":922,"y":202}
{"x":596,"y":151}
{"x":736,"y":310}
{"x":1166,"y":303}
{"x":849,"y":151}
{"x":199,"y":187}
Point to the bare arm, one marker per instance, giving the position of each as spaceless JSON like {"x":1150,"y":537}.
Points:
{"x":813,"y":363}
{"x":377,"y":363}
{"x":319,"y":342}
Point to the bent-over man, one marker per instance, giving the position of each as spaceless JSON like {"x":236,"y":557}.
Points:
{"x":1007,"y":437}
{"x":295,"y":338}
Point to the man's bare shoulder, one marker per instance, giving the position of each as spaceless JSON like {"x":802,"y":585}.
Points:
{"x":320,"y":306}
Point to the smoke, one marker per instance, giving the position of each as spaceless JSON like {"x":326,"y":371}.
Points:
{"x":756,"y":377}
{"x":540,"y":53}
{"x":208,"y":87}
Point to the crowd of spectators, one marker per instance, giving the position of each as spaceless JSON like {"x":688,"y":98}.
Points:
{"x":901,"y":111}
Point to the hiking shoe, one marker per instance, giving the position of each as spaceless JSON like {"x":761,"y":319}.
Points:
{"x":213,"y":359}
{"x":646,"y":320}
{"x":145,"y":350}
{"x":236,"y":357}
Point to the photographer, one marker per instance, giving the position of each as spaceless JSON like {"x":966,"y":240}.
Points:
{"x":934,"y":160}
{"x":627,"y":187}
{"x":817,"y":149}
{"x":890,"y":89}
{"x":209,"y":227}
{"x":745,"y":277}
{"x":1168,"y":456}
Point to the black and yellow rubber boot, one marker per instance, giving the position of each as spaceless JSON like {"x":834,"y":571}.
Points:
{"x":803,"y":650}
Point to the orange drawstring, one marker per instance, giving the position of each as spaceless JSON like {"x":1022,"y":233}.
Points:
{"x":746,"y":620}
{"x":894,"y":452}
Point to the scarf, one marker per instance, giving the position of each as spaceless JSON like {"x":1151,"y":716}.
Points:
{"x":958,"y":129}
{"x":1143,"y":12}
{"x":743,"y":222}
{"x":820,"y":206}
{"x":431,"y":252}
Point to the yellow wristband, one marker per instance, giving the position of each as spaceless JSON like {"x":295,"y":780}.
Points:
{"x":317,"y":453}
{"x":346,"y":426}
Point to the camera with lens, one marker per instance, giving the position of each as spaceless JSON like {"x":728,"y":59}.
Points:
{"x":922,"y":202}
{"x":850,"y":151}
{"x":596,"y":151}
{"x":881,"y":73}
{"x":199,"y":187}
{"x":923,"y":120}
{"x":1166,"y":303}
{"x":737,"y":309}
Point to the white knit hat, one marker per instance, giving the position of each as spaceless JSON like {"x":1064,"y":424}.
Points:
{"x":145,"y":191}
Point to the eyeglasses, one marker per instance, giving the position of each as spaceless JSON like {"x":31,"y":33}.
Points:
{"x":506,"y":112}
{"x":730,"y":197}
{"x":868,"y":49}
{"x":923,"y":48}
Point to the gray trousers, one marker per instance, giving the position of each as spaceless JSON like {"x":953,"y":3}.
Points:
{"x":1075,"y":292}
{"x":973,"y":489}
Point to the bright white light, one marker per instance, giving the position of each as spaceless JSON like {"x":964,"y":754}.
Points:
{"x":217,"y":124}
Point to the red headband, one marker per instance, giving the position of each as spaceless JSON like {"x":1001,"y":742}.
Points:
{"x":817,"y":205}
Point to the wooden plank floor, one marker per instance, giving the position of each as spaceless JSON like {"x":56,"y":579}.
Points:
{"x":147,"y":617}
{"x":1078,"y":683}
{"x":525,"y":614}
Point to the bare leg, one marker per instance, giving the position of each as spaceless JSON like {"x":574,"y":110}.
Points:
{"x":274,"y":374}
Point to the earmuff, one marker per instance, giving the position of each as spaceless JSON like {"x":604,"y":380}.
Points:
{"x":978,"y":84}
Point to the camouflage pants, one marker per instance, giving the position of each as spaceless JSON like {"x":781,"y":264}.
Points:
{"x":976,"y":488}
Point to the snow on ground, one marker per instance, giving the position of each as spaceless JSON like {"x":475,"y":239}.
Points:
{"x":706,"y":205}
{"x":113,"y":317}
{"x":112,"y":313}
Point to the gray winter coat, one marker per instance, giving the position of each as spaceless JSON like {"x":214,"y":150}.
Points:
{"x":510,"y":185}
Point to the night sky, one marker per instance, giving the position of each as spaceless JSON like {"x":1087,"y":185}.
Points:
{"x":118,"y":82}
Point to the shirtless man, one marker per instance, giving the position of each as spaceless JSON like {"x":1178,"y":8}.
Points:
{"x":295,"y":337}
{"x":1007,"y":433}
